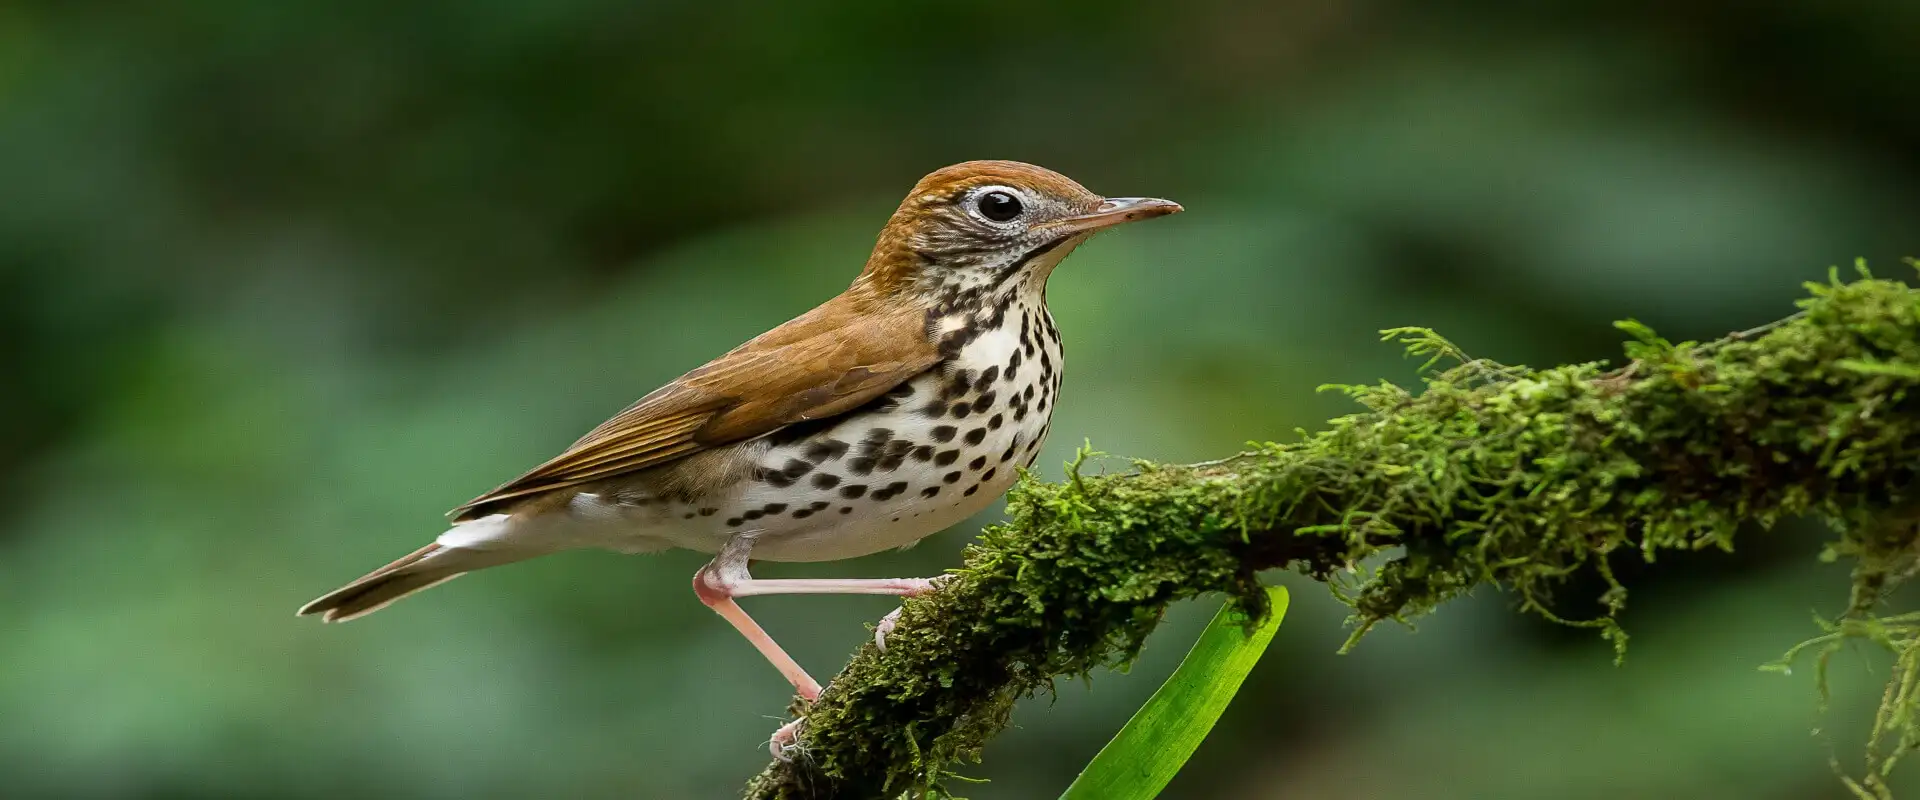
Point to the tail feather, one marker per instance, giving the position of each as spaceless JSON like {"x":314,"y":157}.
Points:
{"x":423,"y":568}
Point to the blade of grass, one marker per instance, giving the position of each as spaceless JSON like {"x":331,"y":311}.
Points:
{"x":1163,"y":734}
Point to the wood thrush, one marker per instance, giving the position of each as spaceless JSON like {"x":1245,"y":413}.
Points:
{"x":886,"y":414}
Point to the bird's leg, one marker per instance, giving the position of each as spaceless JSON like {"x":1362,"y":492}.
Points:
{"x":726,"y":577}
{"x":715,"y":585}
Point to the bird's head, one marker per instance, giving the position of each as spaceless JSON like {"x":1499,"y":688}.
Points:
{"x":983,"y":224}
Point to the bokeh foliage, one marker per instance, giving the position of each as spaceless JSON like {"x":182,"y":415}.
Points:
{"x":282,"y":281}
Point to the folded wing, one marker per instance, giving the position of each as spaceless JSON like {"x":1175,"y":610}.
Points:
{"x":826,"y":362}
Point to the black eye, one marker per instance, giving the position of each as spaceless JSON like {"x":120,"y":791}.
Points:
{"x":999,"y":206}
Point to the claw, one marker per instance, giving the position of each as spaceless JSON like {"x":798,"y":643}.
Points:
{"x":884,"y":627}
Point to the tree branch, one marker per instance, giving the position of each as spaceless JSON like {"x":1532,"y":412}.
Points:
{"x":1495,"y":475}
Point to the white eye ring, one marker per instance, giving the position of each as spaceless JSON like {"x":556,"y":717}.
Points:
{"x":997,"y":205}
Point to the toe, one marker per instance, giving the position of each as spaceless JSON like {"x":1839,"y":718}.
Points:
{"x":785,"y":741}
{"x":884,"y":627}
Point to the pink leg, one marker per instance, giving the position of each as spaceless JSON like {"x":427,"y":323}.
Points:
{"x":716,"y":597}
{"x":726,"y":577}
{"x":904,"y":587}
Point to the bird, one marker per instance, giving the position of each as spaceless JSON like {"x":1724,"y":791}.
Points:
{"x":890,"y":412}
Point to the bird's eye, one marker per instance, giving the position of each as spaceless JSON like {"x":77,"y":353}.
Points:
{"x":998,"y":206}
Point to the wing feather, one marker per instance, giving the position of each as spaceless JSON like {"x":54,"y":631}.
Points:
{"x":826,"y":362}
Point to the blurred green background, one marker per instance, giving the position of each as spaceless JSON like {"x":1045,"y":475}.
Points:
{"x":280,"y":282}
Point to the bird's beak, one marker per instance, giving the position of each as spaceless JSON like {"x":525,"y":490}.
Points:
{"x":1116,"y":210}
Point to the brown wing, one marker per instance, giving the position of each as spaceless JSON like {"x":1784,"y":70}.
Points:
{"x":828,"y":361}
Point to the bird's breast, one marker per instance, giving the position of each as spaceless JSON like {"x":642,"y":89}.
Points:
{"x":925,"y":456}
{"x":932,"y":452}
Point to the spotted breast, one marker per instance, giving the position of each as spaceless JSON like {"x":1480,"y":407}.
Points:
{"x":925,"y":455}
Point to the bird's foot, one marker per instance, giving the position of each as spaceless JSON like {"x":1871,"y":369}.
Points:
{"x":786,"y":741}
{"x":884,"y":627}
{"x":887,"y":623}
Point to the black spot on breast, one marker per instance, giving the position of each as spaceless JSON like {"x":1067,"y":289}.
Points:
{"x":976,"y":436}
{"x":775,"y":508}
{"x":825,"y":450}
{"x":987,"y":378}
{"x":944,"y":433}
{"x":853,"y":492}
{"x":901,"y":392}
{"x":776,"y":479}
{"x":1008,"y":455}
{"x":951,"y":477}
{"x":930,"y":491}
{"x":892,"y":462}
{"x":970,"y":490}
{"x":958,"y":382}
{"x":862,"y":466}
{"x":988,"y":475}
{"x":946,"y":457}
{"x":825,"y":481}
{"x":985,"y":401}
{"x":846,"y":509}
{"x":935,"y":409}
{"x":898,"y":447}
{"x":961,"y":410}
{"x":977,"y":463}
{"x":1013,"y":365}
{"x":735,"y":522}
{"x":876,"y":439}
{"x":818,"y":504}
{"x":688,"y":515}
{"x":888,"y":491}
{"x":996,"y":422}
{"x":1028,"y":394}
{"x":802,"y":514}
{"x":796,"y":468}
{"x":708,"y":512}
{"x":923,"y":453}
{"x":753,"y":515}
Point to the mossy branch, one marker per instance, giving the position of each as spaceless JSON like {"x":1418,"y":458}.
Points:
{"x":1493,"y":475}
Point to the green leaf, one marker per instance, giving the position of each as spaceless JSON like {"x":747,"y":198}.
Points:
{"x":1163,"y":734}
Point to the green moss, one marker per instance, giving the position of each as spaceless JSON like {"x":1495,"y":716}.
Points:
{"x":1492,"y":475}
